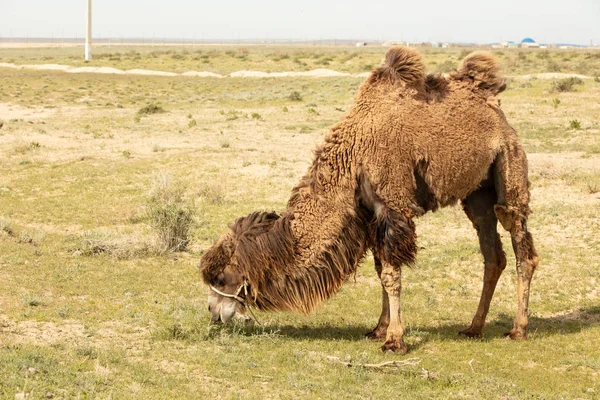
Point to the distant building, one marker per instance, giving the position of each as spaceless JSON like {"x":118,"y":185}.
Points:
{"x":507,"y":45}
{"x":529,"y":43}
{"x":389,"y":43}
{"x":361,"y":44}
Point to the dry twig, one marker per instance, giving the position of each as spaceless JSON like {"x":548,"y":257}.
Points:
{"x":394,"y":363}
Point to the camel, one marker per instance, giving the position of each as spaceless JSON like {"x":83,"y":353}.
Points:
{"x":410,"y":143}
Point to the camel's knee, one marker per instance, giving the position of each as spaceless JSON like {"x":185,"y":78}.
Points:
{"x":391,"y":280}
{"x":507,"y":216}
{"x":515,"y":222}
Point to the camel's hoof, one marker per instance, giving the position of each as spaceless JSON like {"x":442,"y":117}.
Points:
{"x":516,"y":335}
{"x":394,"y":346}
{"x":375,"y":335}
{"x":470,"y":333}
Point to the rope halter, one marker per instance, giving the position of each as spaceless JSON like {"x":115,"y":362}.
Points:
{"x":236,"y":296}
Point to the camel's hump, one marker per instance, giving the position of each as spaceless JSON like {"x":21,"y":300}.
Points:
{"x":483,"y":67}
{"x":405,"y":64}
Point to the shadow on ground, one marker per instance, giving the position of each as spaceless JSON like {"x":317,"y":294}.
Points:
{"x":565,"y":323}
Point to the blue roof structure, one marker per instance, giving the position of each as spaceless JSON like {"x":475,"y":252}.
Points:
{"x":528,"y":40}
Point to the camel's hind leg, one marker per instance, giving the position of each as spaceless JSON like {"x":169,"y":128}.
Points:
{"x":512,"y":211}
{"x":380,"y":330}
{"x":479,"y":207}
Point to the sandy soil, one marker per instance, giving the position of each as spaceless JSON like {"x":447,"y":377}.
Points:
{"x":317,"y":73}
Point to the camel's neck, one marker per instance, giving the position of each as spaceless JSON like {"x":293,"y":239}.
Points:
{"x":313,"y":248}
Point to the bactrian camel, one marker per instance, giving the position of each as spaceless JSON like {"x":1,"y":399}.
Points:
{"x":410,"y":143}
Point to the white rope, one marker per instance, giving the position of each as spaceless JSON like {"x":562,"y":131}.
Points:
{"x":238,"y":298}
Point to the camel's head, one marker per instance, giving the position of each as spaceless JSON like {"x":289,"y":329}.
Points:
{"x":227,"y":283}
{"x":226,"y":267}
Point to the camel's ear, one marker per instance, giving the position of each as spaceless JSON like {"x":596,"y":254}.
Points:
{"x":215,"y":259}
{"x":505,"y":215}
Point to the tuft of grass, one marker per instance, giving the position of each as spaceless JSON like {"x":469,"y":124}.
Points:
{"x":225,"y":144}
{"x":555,"y":102}
{"x":151,"y":108}
{"x":192,"y":123}
{"x":593,"y":187}
{"x":575,"y":124}
{"x":27,"y":147}
{"x":566,"y":84}
{"x":284,"y":109}
{"x":213,"y":191}
{"x":96,"y":243}
{"x":6,"y":227}
{"x":256,"y":116}
{"x":169,"y":214}
{"x":295,"y":96}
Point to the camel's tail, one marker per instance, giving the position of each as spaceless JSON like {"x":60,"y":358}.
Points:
{"x":483,"y":69}
{"x":404,"y":64}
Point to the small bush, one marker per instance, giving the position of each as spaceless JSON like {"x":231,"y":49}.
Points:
{"x":213,"y":191}
{"x":257,"y":116}
{"x":575,"y":124}
{"x":151,"y":108}
{"x":295,"y":96}
{"x":313,"y":111}
{"x":284,"y":109}
{"x":169,"y":214}
{"x":553,"y":66}
{"x":191,"y":123}
{"x":555,"y":102}
{"x":567,"y":84}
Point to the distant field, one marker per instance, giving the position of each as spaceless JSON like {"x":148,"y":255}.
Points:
{"x":88,"y":309}
{"x":227,"y":59}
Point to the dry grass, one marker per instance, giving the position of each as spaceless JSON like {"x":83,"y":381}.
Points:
{"x":169,"y":214}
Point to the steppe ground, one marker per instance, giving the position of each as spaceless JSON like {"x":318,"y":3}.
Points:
{"x":88,"y":310}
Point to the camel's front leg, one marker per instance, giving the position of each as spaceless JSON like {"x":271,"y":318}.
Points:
{"x":384,"y":319}
{"x":392,"y":283}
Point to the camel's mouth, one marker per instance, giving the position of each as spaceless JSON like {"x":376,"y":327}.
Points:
{"x":224,"y":310}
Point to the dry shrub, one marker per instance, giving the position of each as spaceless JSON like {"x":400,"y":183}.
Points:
{"x":151,"y":108}
{"x":169,"y":214}
{"x":566,"y":84}
{"x":212,"y":191}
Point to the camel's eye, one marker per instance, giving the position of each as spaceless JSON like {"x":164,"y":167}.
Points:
{"x":219,"y":280}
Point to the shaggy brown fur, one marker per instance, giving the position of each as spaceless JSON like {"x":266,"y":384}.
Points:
{"x":411,"y":143}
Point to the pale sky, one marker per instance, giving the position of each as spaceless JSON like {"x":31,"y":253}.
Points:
{"x":479,"y":21}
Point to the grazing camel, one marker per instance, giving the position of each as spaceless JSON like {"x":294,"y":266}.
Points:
{"x":410,"y":143}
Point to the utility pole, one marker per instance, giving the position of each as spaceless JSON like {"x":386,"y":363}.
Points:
{"x":88,"y":36}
